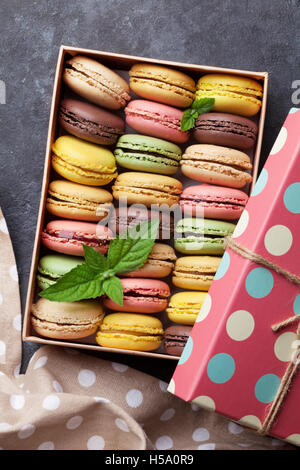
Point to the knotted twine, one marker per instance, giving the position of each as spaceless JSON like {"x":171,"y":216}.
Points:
{"x":293,"y":365}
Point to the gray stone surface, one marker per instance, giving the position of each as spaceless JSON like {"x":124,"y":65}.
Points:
{"x":261,"y":35}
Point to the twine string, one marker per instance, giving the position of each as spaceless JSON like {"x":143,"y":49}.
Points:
{"x":293,"y":365}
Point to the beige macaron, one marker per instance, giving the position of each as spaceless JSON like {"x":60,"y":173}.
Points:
{"x":195,"y":272}
{"x":160,"y":263}
{"x":216,"y":165}
{"x":96,"y":83}
{"x":66,"y":320}
{"x":76,"y":201}
{"x":148,"y":189}
{"x":162,"y":84}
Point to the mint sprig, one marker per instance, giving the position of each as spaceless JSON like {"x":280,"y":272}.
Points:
{"x":203,"y":105}
{"x":97,"y":276}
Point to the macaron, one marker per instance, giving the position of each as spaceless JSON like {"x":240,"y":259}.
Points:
{"x":213,"y":202}
{"x":130,"y":331}
{"x":162,"y":84}
{"x":156,"y":119}
{"x":201,"y":236}
{"x":232,"y":93}
{"x":141,"y":296}
{"x":76,"y":201}
{"x":66,"y":320}
{"x":144,"y":153}
{"x":53,"y":267}
{"x":216,"y":165}
{"x":175,"y":339}
{"x":89,"y":122}
{"x":195,"y":272}
{"x":225,"y":129}
{"x":83,"y":162}
{"x":148,"y":189}
{"x":184,"y":307}
{"x":95,"y":82}
{"x":124,"y":217}
{"x":159,"y":264}
{"x":68,"y":237}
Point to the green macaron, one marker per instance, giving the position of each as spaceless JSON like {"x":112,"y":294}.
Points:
{"x":143,"y":153}
{"x":52,"y":267}
{"x":201,"y":236}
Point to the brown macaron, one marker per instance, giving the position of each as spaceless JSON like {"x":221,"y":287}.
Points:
{"x":175,"y":339}
{"x":89,"y":122}
{"x":229,"y":130}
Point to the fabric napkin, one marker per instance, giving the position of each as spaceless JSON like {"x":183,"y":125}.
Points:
{"x":70,"y":400}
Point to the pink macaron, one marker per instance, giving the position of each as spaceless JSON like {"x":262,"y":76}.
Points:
{"x":67,"y":236}
{"x":157,"y":120}
{"x":215,"y":202}
{"x":141,"y":296}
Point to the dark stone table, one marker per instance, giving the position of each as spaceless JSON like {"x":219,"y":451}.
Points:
{"x":260,"y":35}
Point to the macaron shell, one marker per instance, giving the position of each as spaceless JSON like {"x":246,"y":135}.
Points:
{"x":96,"y":83}
{"x":159,"y":264}
{"x":184,"y":307}
{"x":66,"y":320}
{"x":214,"y":202}
{"x":208,"y":238}
{"x":216,"y":165}
{"x":224,"y":129}
{"x":144,"y":153}
{"x":52,"y":267}
{"x":66,"y":244}
{"x":157,"y":120}
{"x":75,"y":201}
{"x":195,"y":272}
{"x":130,"y":331}
{"x":175,"y":339}
{"x":147,"y":189}
{"x":83,"y":162}
{"x":89,"y":122}
{"x":141,"y":296}
{"x":162,"y":84}
{"x":232,"y":94}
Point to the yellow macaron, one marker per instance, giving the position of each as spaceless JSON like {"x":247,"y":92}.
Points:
{"x":195,"y":272}
{"x":83,"y":162}
{"x":184,"y":307}
{"x":232,"y":93}
{"x":130,"y":331}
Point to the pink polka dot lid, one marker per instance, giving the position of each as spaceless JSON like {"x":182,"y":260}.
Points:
{"x":233,"y":362}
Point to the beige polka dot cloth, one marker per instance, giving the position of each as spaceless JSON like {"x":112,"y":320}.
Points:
{"x":71,"y":400}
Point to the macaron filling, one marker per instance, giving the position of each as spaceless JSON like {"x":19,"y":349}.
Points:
{"x":98,"y":80}
{"x":78,"y":204}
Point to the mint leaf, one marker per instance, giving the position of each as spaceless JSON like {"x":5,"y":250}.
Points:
{"x":127,"y":254}
{"x":80,"y":283}
{"x":203,"y":105}
{"x":188,"y":119}
{"x":113,"y":289}
{"x":95,"y":260}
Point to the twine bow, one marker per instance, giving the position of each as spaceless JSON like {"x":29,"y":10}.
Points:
{"x":293,"y":365}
